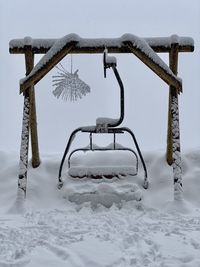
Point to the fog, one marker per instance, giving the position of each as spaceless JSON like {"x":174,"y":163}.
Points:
{"x":146,"y":95}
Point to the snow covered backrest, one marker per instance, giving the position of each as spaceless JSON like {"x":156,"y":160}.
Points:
{"x":111,"y":60}
{"x":108,"y":61}
{"x":102,"y":124}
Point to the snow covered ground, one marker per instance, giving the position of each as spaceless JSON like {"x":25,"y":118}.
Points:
{"x":52,"y":231}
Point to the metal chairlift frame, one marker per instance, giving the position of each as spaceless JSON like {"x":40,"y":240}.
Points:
{"x":109,"y":128}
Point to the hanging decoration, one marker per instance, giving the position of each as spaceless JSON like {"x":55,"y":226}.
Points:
{"x":68,"y":85}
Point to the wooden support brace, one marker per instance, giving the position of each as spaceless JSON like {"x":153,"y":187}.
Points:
{"x":164,"y":75}
{"x":36,"y":77}
{"x":29,"y":60}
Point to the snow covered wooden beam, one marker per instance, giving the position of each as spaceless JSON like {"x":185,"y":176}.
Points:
{"x":173,"y":64}
{"x":155,"y":63}
{"x":49,"y":60}
{"x":24,"y":148}
{"x":134,"y":44}
{"x":174,"y":128}
{"x":95,"y":46}
{"x":29,"y":61}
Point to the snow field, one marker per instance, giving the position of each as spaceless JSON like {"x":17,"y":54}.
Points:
{"x":52,"y":231}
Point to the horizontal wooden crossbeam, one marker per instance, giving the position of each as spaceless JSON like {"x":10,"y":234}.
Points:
{"x":137,"y":46}
{"x":41,"y":46}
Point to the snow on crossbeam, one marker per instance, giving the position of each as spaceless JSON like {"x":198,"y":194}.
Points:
{"x":64,"y":45}
{"x":155,"y":63}
{"x":86,"y":45}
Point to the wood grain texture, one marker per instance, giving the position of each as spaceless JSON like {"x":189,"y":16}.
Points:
{"x":29,"y":61}
{"x":173,"y":64}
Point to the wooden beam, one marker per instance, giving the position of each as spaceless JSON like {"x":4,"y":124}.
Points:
{"x":34,"y":132}
{"x":175,"y":129}
{"x":169,"y":150}
{"x":162,"y":73}
{"x":24,"y":148}
{"x":173,"y":64}
{"x":98,"y":48}
{"x":29,"y":61}
{"x":37,"y":76}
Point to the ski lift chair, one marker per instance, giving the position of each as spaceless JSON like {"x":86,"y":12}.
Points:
{"x":108,"y":126}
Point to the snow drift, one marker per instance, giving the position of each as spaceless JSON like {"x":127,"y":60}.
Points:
{"x":54,"y":231}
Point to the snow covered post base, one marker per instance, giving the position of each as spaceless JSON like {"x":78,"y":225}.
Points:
{"x":23,"y":164}
{"x":175,"y":131}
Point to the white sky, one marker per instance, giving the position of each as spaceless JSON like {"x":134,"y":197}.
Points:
{"x":146,"y":95}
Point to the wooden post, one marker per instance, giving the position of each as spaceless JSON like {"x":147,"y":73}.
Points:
{"x":175,"y":131}
{"x":169,"y":151}
{"x":29,"y":120}
{"x":173,"y":64}
{"x":29,"y":59}
{"x":23,"y":164}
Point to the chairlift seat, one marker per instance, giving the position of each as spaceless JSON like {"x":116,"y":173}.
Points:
{"x":104,"y":125}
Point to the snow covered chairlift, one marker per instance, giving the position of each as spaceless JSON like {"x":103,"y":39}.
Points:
{"x":108,"y":126}
{"x":55,"y":50}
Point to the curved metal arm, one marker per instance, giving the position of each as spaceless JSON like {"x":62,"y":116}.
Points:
{"x":113,"y":64}
{"x":117,"y":123}
{"x":125,"y":129}
{"x":72,"y":136}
